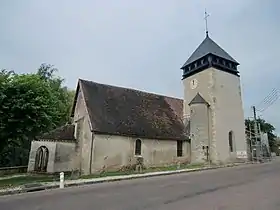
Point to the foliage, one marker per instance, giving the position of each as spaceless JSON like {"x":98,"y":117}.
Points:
{"x":30,"y":104}
{"x":65,"y":97}
{"x":264,"y":127}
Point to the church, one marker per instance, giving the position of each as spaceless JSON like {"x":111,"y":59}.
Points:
{"x":112,"y":127}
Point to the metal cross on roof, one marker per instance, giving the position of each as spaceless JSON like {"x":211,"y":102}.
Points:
{"x":206,"y":15}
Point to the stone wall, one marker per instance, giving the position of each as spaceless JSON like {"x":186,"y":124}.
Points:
{"x":64,"y":157}
{"x":84,"y":136}
{"x":61,"y":155}
{"x":115,"y":152}
{"x":229,"y":115}
{"x":200,"y":130}
{"x":32,"y":155}
{"x":223,"y":92}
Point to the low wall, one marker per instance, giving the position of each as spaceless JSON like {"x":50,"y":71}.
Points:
{"x":13,"y":170}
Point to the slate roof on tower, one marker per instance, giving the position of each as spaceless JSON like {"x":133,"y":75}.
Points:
{"x":122,"y":111}
{"x":208,"y":46}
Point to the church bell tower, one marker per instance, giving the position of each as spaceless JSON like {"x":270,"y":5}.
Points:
{"x":213,"y":105}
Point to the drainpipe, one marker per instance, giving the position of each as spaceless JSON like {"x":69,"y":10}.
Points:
{"x":91,"y":148}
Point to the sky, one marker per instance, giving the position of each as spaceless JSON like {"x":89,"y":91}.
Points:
{"x":143,"y":44}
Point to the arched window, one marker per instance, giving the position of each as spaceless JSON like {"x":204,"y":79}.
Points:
{"x":230,"y":141}
{"x":138,"y":145}
{"x":41,"y":160}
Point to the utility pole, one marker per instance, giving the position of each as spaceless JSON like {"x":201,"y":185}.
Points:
{"x":251,"y":142}
{"x":256,"y":131}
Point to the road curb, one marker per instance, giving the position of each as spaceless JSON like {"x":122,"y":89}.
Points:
{"x":127,"y":177}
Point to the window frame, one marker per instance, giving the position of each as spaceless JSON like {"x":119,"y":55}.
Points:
{"x":138,"y":151}
{"x":179,"y":148}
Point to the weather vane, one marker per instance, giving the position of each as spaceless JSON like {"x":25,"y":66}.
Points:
{"x":206,"y":15}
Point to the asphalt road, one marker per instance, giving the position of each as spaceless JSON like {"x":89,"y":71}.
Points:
{"x":253,"y":187}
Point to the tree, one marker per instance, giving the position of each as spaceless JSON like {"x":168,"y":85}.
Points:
{"x":277,"y":151}
{"x":264,"y":127}
{"x":30,"y":104}
{"x":63,"y":94}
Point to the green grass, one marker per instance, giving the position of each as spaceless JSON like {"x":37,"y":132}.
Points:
{"x":108,"y":173}
{"x":174,"y":167}
{"x":151,"y":169}
{"x":16,"y":181}
{"x":21,"y":180}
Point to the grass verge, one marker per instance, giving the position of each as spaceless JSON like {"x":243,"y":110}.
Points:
{"x":147,"y":170}
{"x":17,"y":181}
{"x":30,"y":179}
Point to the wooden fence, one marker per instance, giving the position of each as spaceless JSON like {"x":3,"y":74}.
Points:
{"x":13,"y":170}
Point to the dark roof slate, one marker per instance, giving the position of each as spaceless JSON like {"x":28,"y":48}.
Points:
{"x":208,"y":46}
{"x":122,"y":111}
{"x":198,"y":99}
{"x":65,"y":132}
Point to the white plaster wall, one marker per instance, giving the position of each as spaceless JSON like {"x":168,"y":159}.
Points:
{"x":162,"y":152}
{"x":113,"y":152}
{"x":32,"y":155}
{"x":64,"y":156}
{"x":80,"y":108}
{"x":229,"y":114}
{"x":199,"y":128}
{"x":61,"y":155}
{"x":222,"y":91}
{"x":204,"y":86}
{"x":84,"y":135}
{"x":85,"y":141}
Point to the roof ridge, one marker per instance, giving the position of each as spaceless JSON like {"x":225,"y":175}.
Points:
{"x":131,"y":89}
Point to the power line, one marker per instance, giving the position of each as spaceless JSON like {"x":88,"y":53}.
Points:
{"x":269,"y":100}
{"x":268,"y":97}
{"x":270,"y":103}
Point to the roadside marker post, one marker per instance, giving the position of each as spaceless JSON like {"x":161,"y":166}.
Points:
{"x":61,"y":183}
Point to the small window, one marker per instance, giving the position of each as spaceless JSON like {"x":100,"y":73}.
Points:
{"x":226,"y":64}
{"x":230,"y":141}
{"x":138,"y":145}
{"x":179,"y":148}
{"x":202,"y":61}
